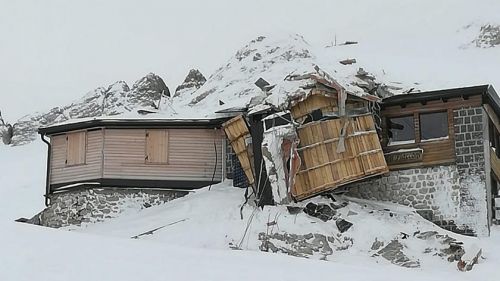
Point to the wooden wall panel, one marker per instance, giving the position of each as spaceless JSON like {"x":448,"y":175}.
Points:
{"x":191,"y":155}
{"x":323,"y":168}
{"x":237,"y":132}
{"x":76,"y":147}
{"x":157,"y":146}
{"x":60,"y":172}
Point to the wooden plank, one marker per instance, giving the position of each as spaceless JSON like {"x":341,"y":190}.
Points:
{"x":495,"y":162}
{"x":237,"y":132}
{"x":492,"y":115}
{"x":157,"y":146}
{"x":76,"y":144}
{"x":324,"y":168}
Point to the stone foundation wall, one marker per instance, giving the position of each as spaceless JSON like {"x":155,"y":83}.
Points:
{"x":452,"y":196}
{"x":74,"y":207}
{"x":433,"y":192}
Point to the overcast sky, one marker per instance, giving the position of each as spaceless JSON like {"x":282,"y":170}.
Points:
{"x":52,"y":52}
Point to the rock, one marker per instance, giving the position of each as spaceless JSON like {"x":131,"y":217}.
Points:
{"x":293,"y":210}
{"x":454,"y":251}
{"x":320,"y":211}
{"x":348,"y":61}
{"x":393,"y":252}
{"x":193,"y":81}
{"x":117,"y":98}
{"x":338,"y":206}
{"x":148,"y":90}
{"x":377,"y":244}
{"x":343,"y":225}
{"x":426,"y":235}
{"x":489,"y":36}
{"x":351,"y":213}
{"x":7,"y":133}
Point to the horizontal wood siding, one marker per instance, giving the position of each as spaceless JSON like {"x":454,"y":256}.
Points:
{"x":60,"y":172}
{"x":191,"y":155}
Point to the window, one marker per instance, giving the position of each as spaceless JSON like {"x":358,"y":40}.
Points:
{"x":433,"y":125}
{"x":157,"y":146}
{"x":76,"y":144}
{"x":401,"y":130}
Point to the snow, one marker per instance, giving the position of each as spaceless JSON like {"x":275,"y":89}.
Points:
{"x":405,"y":150}
{"x":198,"y":248}
{"x":435,"y":139}
{"x":425,"y":47}
{"x":391,"y":142}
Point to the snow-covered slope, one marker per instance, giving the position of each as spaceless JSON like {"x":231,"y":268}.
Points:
{"x":198,"y":248}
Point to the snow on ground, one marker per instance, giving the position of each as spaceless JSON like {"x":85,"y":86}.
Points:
{"x":197,"y":248}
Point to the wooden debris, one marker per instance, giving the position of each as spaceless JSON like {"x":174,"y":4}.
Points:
{"x":238,"y":134}
{"x":150,"y":232}
{"x":349,"y":43}
{"x":470,"y":258}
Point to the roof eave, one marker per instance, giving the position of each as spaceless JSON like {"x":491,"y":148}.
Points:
{"x":133,"y":124}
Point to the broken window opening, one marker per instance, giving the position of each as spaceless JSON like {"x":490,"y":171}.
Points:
{"x":401,"y":130}
{"x":433,"y":126}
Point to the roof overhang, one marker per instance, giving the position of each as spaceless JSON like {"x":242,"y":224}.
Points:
{"x":487,"y":92}
{"x":133,"y":124}
{"x":437,"y":95}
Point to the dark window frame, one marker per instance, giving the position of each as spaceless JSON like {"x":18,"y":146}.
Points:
{"x":446,"y":129}
{"x":401,"y":142}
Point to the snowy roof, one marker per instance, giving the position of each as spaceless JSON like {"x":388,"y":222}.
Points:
{"x":148,"y":121}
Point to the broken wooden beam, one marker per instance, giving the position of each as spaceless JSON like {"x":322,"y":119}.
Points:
{"x":470,"y":258}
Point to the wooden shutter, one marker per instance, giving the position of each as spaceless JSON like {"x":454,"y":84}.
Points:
{"x":157,"y":146}
{"x":76,"y":144}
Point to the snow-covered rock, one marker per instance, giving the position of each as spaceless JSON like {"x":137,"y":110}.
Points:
{"x":194,"y":80}
{"x":116,"y":99}
{"x":489,"y":36}
{"x":148,"y":91}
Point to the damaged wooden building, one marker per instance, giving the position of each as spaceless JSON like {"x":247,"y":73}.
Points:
{"x":433,"y":151}
{"x":319,"y":140}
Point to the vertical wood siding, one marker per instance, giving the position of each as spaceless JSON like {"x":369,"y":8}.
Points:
{"x":157,"y":146}
{"x":76,"y":148}
{"x":191,"y":155}
{"x":60,"y":172}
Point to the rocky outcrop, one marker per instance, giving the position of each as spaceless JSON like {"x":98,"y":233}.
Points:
{"x":194,"y":80}
{"x":117,"y":98}
{"x":148,"y":91}
{"x":489,"y":36}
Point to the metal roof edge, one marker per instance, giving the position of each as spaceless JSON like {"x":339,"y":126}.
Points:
{"x":437,"y":94}
{"x":133,"y":123}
